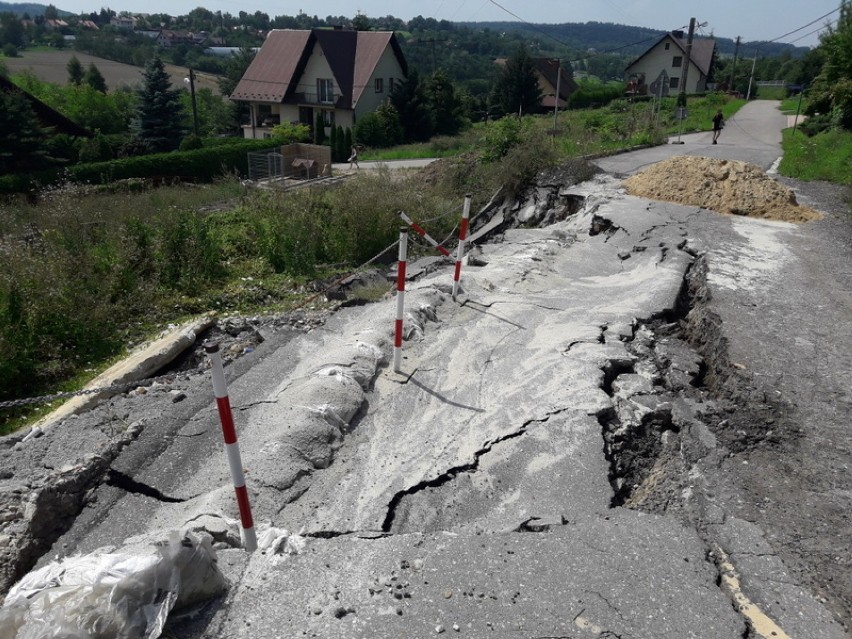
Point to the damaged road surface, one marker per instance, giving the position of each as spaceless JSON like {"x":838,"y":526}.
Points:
{"x":546,"y":464}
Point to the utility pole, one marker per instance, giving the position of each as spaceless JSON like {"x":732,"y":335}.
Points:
{"x":734,"y":67}
{"x":556,"y":101}
{"x":192,"y":96}
{"x":686,"y":65}
{"x":751,"y":79}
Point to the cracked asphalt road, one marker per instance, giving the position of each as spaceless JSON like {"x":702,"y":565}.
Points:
{"x":623,"y":414}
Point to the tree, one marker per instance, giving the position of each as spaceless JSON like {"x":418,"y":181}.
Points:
{"x":11,"y":30}
{"x":75,"y":71}
{"x":516,"y":89}
{"x":319,"y":129}
{"x":235,"y":69}
{"x":361,"y":22}
{"x":381,"y":128}
{"x":832,"y":89}
{"x":158,"y":114}
{"x":444,"y":104}
{"x":409,"y":99}
{"x":94,"y":79}
{"x":22,"y":140}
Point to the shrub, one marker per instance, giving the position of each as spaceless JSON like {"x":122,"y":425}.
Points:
{"x":191,"y":142}
{"x":502,"y":136}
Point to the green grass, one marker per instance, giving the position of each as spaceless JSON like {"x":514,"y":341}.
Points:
{"x":826,"y":156}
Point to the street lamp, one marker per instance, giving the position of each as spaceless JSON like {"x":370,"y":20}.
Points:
{"x":191,"y":81}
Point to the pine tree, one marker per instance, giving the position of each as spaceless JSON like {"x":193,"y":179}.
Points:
{"x":409,"y":99}
{"x":444,"y":104}
{"x":348,"y":142}
{"x":342,"y":148}
{"x":319,"y":129}
{"x":332,"y":143}
{"x":22,"y":140}
{"x":95,"y":79}
{"x":517,"y":90}
{"x":75,"y":71}
{"x":158,"y":114}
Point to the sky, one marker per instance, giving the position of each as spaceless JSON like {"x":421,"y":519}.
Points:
{"x":751,"y":19}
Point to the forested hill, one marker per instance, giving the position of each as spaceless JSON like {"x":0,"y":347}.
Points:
{"x":29,"y":8}
{"x":621,"y":38}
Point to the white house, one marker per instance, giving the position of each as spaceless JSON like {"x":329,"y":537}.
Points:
{"x":659,"y":70}
{"x":340,"y":74}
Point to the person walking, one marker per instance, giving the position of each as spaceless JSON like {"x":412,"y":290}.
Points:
{"x":353,"y":158}
{"x":718,"y":125}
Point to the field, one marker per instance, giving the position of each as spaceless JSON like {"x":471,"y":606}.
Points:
{"x":51,"y":66}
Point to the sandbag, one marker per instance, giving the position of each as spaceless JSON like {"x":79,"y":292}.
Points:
{"x":113,"y":595}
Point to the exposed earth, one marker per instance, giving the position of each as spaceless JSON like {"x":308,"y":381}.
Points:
{"x":632,"y":423}
{"x":726,"y":186}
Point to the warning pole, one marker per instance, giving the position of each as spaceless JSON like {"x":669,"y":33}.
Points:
{"x":460,"y":249}
{"x":400,"y":298}
{"x":220,"y":390}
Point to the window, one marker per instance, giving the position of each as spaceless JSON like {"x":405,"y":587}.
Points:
{"x":380,"y":85}
{"x":328,"y":118}
{"x":325,"y":91}
{"x":677,"y":61}
{"x":668,"y":44}
{"x":390,"y":85}
{"x":674,"y":83}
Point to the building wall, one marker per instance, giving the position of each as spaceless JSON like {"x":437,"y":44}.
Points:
{"x":658,"y":59}
{"x":388,"y":68}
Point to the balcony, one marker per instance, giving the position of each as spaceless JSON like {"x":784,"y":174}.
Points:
{"x":314,"y":99}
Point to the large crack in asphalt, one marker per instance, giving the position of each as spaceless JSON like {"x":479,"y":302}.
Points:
{"x":450,"y":474}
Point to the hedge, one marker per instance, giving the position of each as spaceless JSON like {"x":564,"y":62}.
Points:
{"x":200,"y":165}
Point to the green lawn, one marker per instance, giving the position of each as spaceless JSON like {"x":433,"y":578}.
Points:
{"x":826,"y":156}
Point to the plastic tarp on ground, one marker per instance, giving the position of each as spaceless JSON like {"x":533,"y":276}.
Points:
{"x":118,"y":595}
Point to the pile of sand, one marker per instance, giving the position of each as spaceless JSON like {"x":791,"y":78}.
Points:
{"x":726,"y":186}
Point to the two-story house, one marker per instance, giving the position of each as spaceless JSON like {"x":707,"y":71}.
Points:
{"x":339,"y":74}
{"x":659,"y":70}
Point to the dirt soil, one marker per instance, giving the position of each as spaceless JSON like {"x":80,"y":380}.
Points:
{"x":725,"y":186}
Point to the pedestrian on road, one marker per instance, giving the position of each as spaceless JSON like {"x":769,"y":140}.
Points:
{"x":353,"y":159}
{"x":718,"y":125}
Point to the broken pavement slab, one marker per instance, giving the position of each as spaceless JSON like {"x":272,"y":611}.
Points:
{"x":137,"y":366}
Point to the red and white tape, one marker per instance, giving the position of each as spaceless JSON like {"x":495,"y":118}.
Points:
{"x":422,"y":233}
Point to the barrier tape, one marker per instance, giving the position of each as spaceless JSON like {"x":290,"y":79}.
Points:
{"x":422,"y":233}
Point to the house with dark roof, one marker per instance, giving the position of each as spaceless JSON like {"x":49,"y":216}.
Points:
{"x":659,"y":70}
{"x":553,"y":77}
{"x":340,"y":75}
{"x":555,"y":81}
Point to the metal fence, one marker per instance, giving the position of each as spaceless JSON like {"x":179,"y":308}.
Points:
{"x":265,"y":165}
{"x":292,"y":161}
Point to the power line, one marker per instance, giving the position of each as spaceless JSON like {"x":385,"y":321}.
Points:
{"x":805,"y":26}
{"x":810,"y":33}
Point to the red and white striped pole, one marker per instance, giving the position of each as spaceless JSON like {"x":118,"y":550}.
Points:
{"x":400,"y":299}
{"x":422,"y":233}
{"x":220,"y":390}
{"x":460,"y":250}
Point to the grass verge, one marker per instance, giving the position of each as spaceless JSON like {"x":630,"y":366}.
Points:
{"x":826,"y":156}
